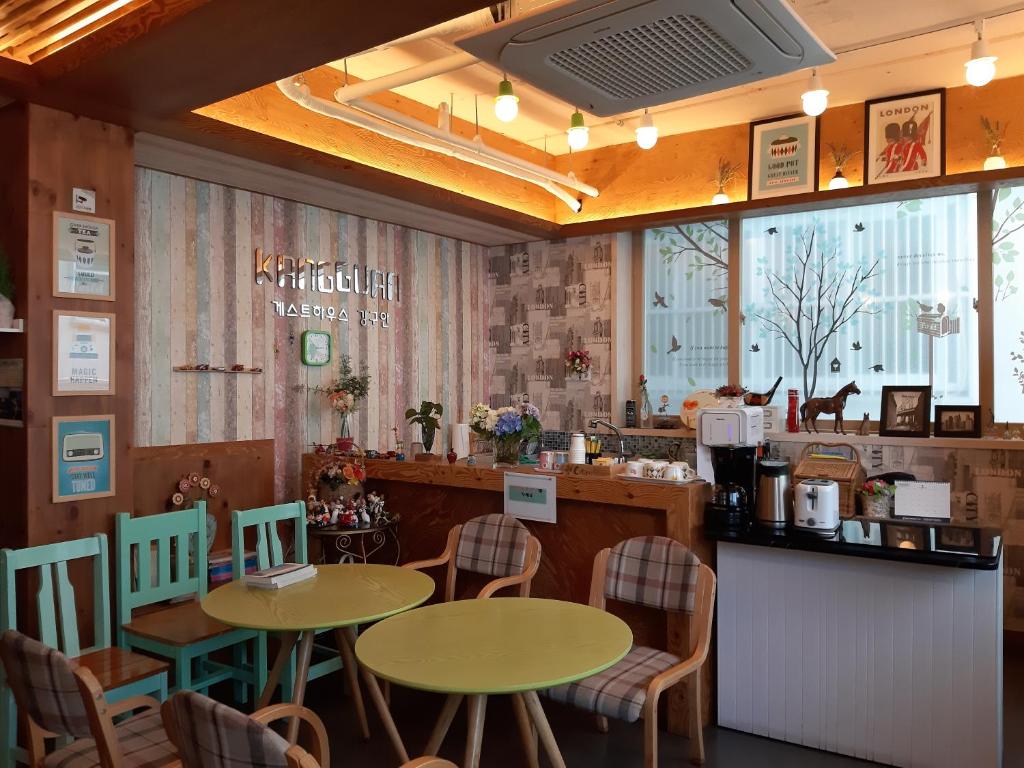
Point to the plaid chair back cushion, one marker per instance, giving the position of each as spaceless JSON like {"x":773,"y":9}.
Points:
{"x":494,"y":545}
{"x":654,"y":571}
{"x":47,"y":679}
{"x":212,"y":735}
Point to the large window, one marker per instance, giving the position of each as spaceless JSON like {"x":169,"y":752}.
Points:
{"x":1008,"y":305}
{"x":877,"y":294}
{"x":686,"y":285}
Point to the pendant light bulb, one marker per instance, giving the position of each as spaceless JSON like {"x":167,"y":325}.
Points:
{"x":981,"y":68}
{"x":838,"y":181}
{"x":578,"y":133}
{"x":720,"y":197}
{"x":647,"y":132}
{"x":506,"y":103}
{"x":815,"y":98}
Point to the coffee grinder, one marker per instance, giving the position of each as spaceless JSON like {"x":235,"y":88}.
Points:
{"x":729,"y":444}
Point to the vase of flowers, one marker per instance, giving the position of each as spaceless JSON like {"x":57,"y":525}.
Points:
{"x":344,"y":395}
{"x":875,"y":496}
{"x":730,"y":396}
{"x":577,"y":363}
{"x":506,"y":428}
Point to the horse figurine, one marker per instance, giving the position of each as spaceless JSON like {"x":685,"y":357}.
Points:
{"x":813,"y":408}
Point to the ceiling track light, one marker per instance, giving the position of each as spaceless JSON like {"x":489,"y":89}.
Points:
{"x":815,"y":98}
{"x":506,"y":103}
{"x":981,"y":68}
{"x":646,"y":132}
{"x":578,"y":133}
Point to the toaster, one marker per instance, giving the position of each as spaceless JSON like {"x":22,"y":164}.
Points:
{"x":816,"y":505}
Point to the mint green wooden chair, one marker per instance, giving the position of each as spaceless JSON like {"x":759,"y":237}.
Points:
{"x":121,"y":674}
{"x":270,"y":552}
{"x":180,"y":632}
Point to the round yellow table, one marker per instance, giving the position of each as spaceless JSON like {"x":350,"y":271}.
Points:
{"x":340,"y":597}
{"x":475,"y":648}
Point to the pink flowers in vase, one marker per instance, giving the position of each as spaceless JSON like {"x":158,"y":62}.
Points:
{"x":577,"y":361}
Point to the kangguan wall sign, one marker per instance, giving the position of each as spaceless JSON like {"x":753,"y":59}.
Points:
{"x":327,"y":277}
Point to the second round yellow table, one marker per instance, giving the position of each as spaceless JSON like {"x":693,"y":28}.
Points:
{"x":506,"y":645}
{"x":340,"y":597}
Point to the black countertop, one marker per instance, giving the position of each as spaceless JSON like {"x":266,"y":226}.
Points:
{"x":902,"y":541}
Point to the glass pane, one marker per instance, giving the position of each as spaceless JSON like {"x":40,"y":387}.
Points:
{"x":878,"y":294}
{"x":686,"y":284}
{"x":1007,"y":314}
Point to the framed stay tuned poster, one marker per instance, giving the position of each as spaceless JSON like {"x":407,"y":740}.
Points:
{"x":83,"y":256}
{"x":83,"y":457}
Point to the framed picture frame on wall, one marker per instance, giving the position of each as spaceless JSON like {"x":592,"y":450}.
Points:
{"x":958,"y":421}
{"x":83,"y":256}
{"x":83,"y":457}
{"x":83,"y":353}
{"x":783,"y":156}
{"x":906,"y":411}
{"x":905,"y":137}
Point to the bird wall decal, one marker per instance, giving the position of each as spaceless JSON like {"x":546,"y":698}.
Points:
{"x":675,"y":346}
{"x":659,"y":300}
{"x":772,"y":230}
{"x":856,"y":346}
{"x":878,"y":368}
{"x":858,"y":227}
{"x":754,"y":348}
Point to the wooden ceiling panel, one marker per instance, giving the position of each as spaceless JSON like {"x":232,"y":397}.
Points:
{"x":31,"y":30}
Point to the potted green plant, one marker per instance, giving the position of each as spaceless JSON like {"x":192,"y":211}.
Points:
{"x":6,"y":292}
{"x":429,"y":419}
{"x":875,"y":496}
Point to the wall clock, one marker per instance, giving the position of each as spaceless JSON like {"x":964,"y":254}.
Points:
{"x":316,"y":347}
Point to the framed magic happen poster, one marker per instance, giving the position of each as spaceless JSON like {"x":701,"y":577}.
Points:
{"x":783,"y":156}
{"x":83,"y":347}
{"x":83,"y":457}
{"x":83,"y":256}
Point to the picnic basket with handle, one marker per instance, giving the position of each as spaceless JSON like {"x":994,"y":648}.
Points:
{"x":847,"y":472}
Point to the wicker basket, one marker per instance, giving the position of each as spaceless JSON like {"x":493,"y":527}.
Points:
{"x":848,"y":473}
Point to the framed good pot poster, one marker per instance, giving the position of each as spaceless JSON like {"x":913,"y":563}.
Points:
{"x":83,"y":457}
{"x":83,"y":256}
{"x":83,"y":345}
{"x":904,"y":137}
{"x":783,"y":156}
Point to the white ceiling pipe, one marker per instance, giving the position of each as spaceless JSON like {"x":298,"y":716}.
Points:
{"x":398,"y":118}
{"x":301,"y":96}
{"x":349,"y":93}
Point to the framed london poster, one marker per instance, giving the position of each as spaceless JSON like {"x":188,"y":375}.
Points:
{"x":904,"y":137}
{"x":83,"y":256}
{"x":83,"y":457}
{"x":83,"y":346}
{"x":783,"y":156}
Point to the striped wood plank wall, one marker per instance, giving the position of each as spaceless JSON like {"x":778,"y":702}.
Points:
{"x":197,"y":302}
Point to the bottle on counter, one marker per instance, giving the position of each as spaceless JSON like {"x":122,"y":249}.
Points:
{"x":792,"y":415}
{"x":577,"y":449}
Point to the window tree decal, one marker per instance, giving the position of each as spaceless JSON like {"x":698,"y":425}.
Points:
{"x":1008,"y":219}
{"x":813,"y":301}
{"x":703,"y":246}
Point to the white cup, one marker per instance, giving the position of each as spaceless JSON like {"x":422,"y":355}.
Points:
{"x":635,"y":468}
{"x":679,"y":471}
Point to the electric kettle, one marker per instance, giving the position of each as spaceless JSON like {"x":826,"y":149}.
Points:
{"x":774,"y":505}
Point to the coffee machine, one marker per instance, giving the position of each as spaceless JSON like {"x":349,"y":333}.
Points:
{"x":729,"y":444}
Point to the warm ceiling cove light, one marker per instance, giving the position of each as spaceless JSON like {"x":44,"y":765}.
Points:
{"x":647,"y":132}
{"x":506,"y":103}
{"x":981,"y":68}
{"x":815,"y":98}
{"x":578,"y":133}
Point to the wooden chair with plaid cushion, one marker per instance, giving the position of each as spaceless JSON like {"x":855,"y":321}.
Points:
{"x":494,"y":545}
{"x":212,"y":735}
{"x":57,"y":698}
{"x":661,"y":573}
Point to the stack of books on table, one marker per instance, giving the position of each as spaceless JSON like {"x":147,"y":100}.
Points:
{"x":280,"y":576}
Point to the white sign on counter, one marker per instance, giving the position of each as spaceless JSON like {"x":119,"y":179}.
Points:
{"x":530,"y":497}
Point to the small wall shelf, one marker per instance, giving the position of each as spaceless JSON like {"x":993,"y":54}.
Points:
{"x":18,"y":327}
{"x":189,"y":369}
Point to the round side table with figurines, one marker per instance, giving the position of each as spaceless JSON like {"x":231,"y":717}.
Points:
{"x":351,"y":525}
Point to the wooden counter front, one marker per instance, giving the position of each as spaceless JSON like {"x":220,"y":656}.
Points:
{"x":593,"y":513}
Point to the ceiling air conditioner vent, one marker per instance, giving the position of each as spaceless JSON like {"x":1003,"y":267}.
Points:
{"x":653,"y":58}
{"x":618,"y":56}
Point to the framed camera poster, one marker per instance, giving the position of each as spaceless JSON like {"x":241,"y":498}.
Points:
{"x":783,"y":156}
{"x":904,"y":137}
{"x":83,"y":457}
{"x":83,"y":346}
{"x":83,"y":256}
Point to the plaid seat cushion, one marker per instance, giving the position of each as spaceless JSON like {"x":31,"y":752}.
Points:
{"x":143,"y":743}
{"x":654,"y":571}
{"x":619,"y":691}
{"x":48,"y":683}
{"x":493,"y":545}
{"x":213,"y":735}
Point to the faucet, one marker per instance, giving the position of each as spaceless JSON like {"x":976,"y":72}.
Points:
{"x":622,"y":443}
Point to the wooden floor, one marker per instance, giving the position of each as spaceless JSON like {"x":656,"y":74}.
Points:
{"x":582,"y":746}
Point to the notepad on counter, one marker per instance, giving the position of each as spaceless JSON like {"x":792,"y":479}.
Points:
{"x":279,"y":576}
{"x":921,"y":500}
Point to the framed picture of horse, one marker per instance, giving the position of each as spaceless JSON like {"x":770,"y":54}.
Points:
{"x":906,"y":411}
